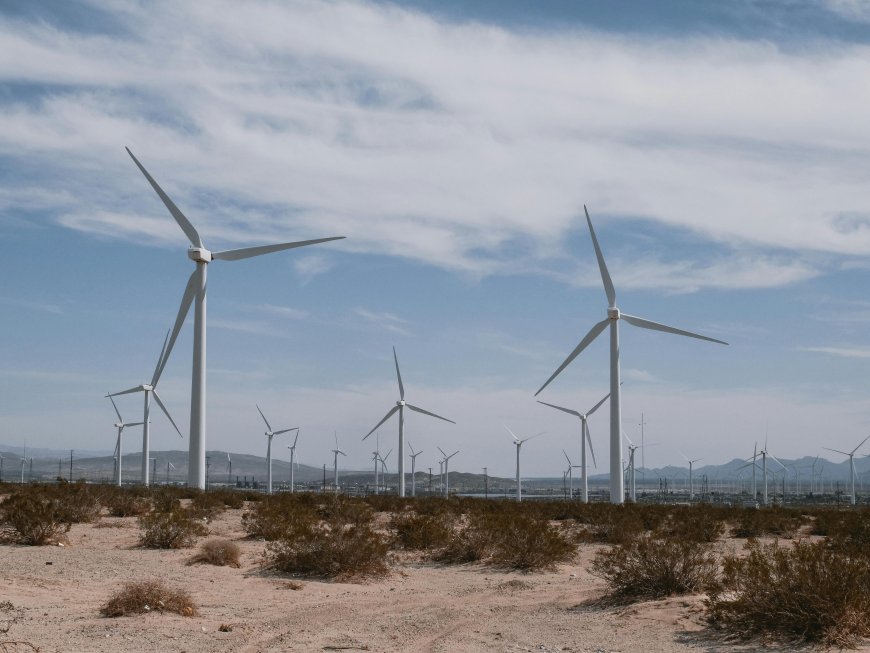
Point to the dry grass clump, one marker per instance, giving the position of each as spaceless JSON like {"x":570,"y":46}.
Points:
{"x":148,"y":596}
{"x":421,"y":531}
{"x":651,"y":568}
{"x":802,"y":593}
{"x":33,"y":518}
{"x":221,"y":553}
{"x":175,"y":529}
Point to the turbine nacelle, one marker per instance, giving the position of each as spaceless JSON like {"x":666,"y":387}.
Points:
{"x":613,"y":313}
{"x":199,"y":254}
{"x":401,"y":403}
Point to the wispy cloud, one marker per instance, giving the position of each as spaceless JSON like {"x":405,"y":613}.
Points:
{"x":249,"y":326}
{"x":309,"y":267}
{"x":285,"y":311}
{"x":842,"y":352}
{"x":386,"y":321}
{"x":33,"y":306}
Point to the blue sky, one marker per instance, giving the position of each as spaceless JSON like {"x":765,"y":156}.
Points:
{"x":722,"y":149}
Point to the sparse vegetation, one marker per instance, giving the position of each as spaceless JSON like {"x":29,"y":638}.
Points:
{"x":34,"y":518}
{"x":221,"y":553}
{"x":174,"y":529}
{"x":421,"y":531}
{"x":148,"y":596}
{"x":756,"y":522}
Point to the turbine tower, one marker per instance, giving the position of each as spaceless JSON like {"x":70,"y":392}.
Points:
{"x":384,"y":470}
{"x":447,"y":470}
{"x":292,"y":448}
{"x":614,"y":315}
{"x":414,"y":455}
{"x":336,"y":451}
{"x":851,"y":455}
{"x":196,"y":288}
{"x":151,"y":389}
{"x":691,"y":485}
{"x":519,"y":443}
{"x":121,"y":425}
{"x":585,"y":437}
{"x":400,"y":407}
{"x":271,"y":434}
{"x":632,"y":485}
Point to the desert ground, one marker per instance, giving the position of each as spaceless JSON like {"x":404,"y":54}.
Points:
{"x":50,"y":598}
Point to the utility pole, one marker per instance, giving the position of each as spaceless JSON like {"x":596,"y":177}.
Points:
{"x":70,"y":464}
{"x":324,"y":479}
{"x":207,"y":465}
{"x":154,"y":469}
{"x":485,"y":484}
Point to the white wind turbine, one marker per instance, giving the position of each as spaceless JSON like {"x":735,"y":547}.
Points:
{"x":151,"y":389}
{"x":121,"y":425}
{"x":414,"y":455}
{"x":519,"y":443}
{"x":336,"y":451}
{"x":585,"y":437}
{"x":632,"y":476}
{"x":614,"y":315}
{"x":570,"y":473}
{"x":764,"y":455}
{"x":447,"y":470}
{"x":271,"y":434}
{"x":384,"y":469}
{"x":691,"y":465}
{"x":292,"y":448}
{"x":24,"y":461}
{"x":851,"y":455}
{"x":196,"y":288}
{"x":400,"y":408}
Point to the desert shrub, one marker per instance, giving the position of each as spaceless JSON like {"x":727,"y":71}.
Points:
{"x":421,"y":532}
{"x":229,"y":498}
{"x":78,"y":501}
{"x":340,"y":547}
{"x":277,"y":515}
{"x":126,"y":504}
{"x":473,"y":543}
{"x":612,"y":524}
{"x":529,"y":544}
{"x":701,"y":523}
{"x":175,"y":529}
{"x":207,"y":504}
{"x":801,"y":593}
{"x":756,"y":522}
{"x":847,"y":531}
{"x":148,"y":596}
{"x":165,"y":499}
{"x":649,"y":567}
{"x":33,"y":518}
{"x":222,"y":553}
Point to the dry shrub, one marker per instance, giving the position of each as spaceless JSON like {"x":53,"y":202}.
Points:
{"x":802,"y":593}
{"x":342,"y":547}
{"x":165,"y":499}
{"x":148,"y":596}
{"x":126,"y":504}
{"x":700,"y":523}
{"x":275,"y":516}
{"x":34,"y":519}
{"x":421,"y":532}
{"x":612,"y":524}
{"x":221,"y":553}
{"x":756,"y":522}
{"x":651,"y":568}
{"x":175,"y":529}
{"x":229,"y":498}
{"x":847,"y":531}
{"x":207,"y":504}
{"x":473,"y":543}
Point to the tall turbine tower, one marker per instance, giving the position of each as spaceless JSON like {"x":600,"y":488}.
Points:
{"x":400,"y":407}
{"x":447,"y":470}
{"x":292,"y":448}
{"x":196,"y":288}
{"x":271,"y":434}
{"x":151,"y":389}
{"x":851,"y":455}
{"x":336,"y":452}
{"x":414,"y":455}
{"x":585,"y":437}
{"x":691,"y":465}
{"x":519,"y":443}
{"x":614,"y":315}
{"x":121,"y":425}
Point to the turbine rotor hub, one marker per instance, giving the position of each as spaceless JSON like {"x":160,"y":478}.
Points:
{"x":199,"y":254}
{"x":613,"y":313}
{"x":400,"y":403}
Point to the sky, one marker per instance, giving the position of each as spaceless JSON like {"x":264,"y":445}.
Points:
{"x":721,"y":148}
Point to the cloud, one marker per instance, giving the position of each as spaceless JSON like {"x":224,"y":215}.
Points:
{"x":253,"y":327}
{"x":386,"y":321}
{"x":33,"y":306}
{"x":285,"y":311}
{"x":443,"y":142}
{"x":842,"y":352}
{"x":309,"y":267}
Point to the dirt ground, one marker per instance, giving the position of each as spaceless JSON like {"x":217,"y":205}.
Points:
{"x":56,"y":592}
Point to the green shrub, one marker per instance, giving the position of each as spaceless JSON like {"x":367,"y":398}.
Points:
{"x":175,"y":529}
{"x":148,"y":596}
{"x":650,"y":568}
{"x":801,"y":593}
{"x":529,"y":544}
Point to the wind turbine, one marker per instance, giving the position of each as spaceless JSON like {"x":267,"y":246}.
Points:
{"x":447,"y":470}
{"x":851,"y":455}
{"x":585,"y":437}
{"x":121,"y":425}
{"x":271,"y":434}
{"x":384,"y":470}
{"x":414,"y":455}
{"x":292,"y":448}
{"x":336,"y":451}
{"x":519,"y":443}
{"x":196,"y":288}
{"x":691,"y":484}
{"x":229,"y":469}
{"x":570,"y":473}
{"x":400,"y":407}
{"x":632,"y":485}
{"x":613,"y":317}
{"x":24,"y":462}
{"x":151,"y":389}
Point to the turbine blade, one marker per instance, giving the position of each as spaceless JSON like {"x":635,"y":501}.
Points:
{"x":442,"y":451}
{"x":183,"y":310}
{"x":248,"y":252}
{"x":285,"y":431}
{"x":770,"y":455}
{"x":426,"y":412}
{"x":138,"y":388}
{"x":598,"y":405}
{"x":386,"y":417}
{"x":591,"y":450}
{"x":163,"y":408}
{"x":566,"y":457}
{"x":133,"y":424}
{"x":564,"y":410}
{"x":120,"y":419}
{"x":156,"y":375}
{"x":532,"y":437}
{"x":296,"y":438}
{"x":859,"y":446}
{"x":836,"y":451}
{"x":602,"y":266}
{"x":268,"y":426}
{"x":593,"y":333}
{"x":655,"y":326}
{"x":413,"y":453}
{"x":399,"y":375}
{"x":513,"y":435}
{"x":183,"y":222}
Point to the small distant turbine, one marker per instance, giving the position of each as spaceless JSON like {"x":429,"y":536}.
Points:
{"x":336,"y":451}
{"x":384,"y":470}
{"x":617,"y":489}
{"x":519,"y":443}
{"x":414,"y":455}
{"x":121,"y":425}
{"x":271,"y":434}
{"x":292,"y":448}
{"x":691,"y":485}
{"x":570,"y":473}
{"x":447,"y":470}
{"x":632,"y":476}
{"x":851,"y":455}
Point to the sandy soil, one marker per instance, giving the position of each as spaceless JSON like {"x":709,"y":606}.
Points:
{"x":57,"y":592}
